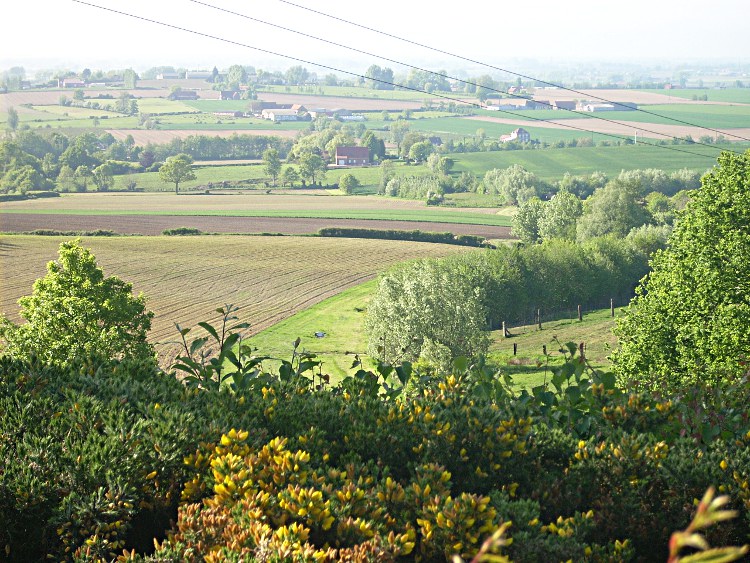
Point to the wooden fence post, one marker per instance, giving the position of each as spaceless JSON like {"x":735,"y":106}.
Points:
{"x":539,"y":318}
{"x":581,"y":349}
{"x":515,"y":348}
{"x":612,"y":307}
{"x":580,"y":315}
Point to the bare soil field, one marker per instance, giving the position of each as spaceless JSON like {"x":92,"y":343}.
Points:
{"x":186,"y":278}
{"x":655,"y":130}
{"x":144,"y":136}
{"x":155,"y":224}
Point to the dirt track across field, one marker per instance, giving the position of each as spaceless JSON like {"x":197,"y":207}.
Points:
{"x":155,"y":224}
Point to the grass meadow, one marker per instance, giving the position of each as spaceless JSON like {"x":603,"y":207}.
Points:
{"x":735,"y":95}
{"x":319,"y":205}
{"x":551,"y":164}
{"x":341,"y":319}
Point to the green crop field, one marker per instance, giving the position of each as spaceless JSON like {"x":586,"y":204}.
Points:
{"x":703,"y":115}
{"x":341,"y":320}
{"x":349,"y":92}
{"x":186,"y":278}
{"x":738,"y":95}
{"x":459,"y":127}
{"x":160,"y":106}
{"x":255,"y":204}
{"x":551,"y":164}
{"x":71,"y":112}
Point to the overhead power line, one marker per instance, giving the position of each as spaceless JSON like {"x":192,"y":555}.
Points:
{"x":357,"y":75}
{"x":587,"y":115}
{"x":487,"y":65}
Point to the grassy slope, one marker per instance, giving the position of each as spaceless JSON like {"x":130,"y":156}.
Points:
{"x":342,"y":317}
{"x":530,"y":367}
{"x":551,"y":164}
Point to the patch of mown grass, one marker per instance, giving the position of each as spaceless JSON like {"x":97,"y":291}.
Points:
{"x":530,"y":366}
{"x":339,"y":319}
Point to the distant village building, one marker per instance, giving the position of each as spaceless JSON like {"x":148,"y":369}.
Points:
{"x":71,"y":83}
{"x":520,"y":135}
{"x":277,"y":115}
{"x":602,"y":106}
{"x":168,"y":76}
{"x":229,"y":113}
{"x":563,"y":105}
{"x":183,"y":95}
{"x":199,"y":74}
{"x":352,"y":156}
{"x":230,"y":95}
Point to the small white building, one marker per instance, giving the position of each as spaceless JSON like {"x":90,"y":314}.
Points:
{"x":519,"y":135}
{"x":277,"y":115}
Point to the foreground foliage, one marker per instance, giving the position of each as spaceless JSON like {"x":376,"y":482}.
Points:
{"x":690,"y":320}
{"x":390,"y":465}
{"x":77,"y":312}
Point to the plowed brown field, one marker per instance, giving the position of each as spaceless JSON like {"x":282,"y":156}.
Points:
{"x":155,"y":224}
{"x":186,"y":278}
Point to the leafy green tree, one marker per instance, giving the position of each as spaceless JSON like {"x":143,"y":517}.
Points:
{"x":375,"y":144}
{"x":387,"y":173}
{"x":75,"y":312}
{"x":177,"y":169}
{"x":560,"y":216}
{"x":12,"y":118}
{"x":425,"y":309}
{"x":103,"y":177}
{"x":419,"y":151}
{"x":410,"y":138}
{"x":348,"y":183}
{"x":272,"y":163}
{"x":690,"y":319}
{"x":297,"y":75}
{"x":526,"y":220}
{"x":23,"y":179}
{"x":289,"y":176}
{"x":236,"y":75}
{"x":398,"y":130}
{"x":515,"y":184}
{"x":130,"y":78}
{"x":613,"y":209}
{"x":312,"y":167}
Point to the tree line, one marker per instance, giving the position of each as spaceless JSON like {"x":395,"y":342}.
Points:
{"x":439,"y":309}
{"x":34,"y":161}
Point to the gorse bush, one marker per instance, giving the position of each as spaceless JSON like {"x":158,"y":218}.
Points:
{"x":386,"y":465}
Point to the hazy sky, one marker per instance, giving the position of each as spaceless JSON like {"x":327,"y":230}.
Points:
{"x":41,"y":34}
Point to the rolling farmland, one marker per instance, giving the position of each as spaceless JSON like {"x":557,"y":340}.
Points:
{"x":186,"y":278}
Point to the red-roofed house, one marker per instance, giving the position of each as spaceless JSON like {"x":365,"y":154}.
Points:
{"x":352,"y":156}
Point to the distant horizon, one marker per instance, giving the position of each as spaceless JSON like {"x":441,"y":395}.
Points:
{"x":671,"y":33}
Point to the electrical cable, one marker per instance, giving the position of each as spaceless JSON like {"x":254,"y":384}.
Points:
{"x":587,"y":115}
{"x":454,"y":55}
{"x":328,"y":67}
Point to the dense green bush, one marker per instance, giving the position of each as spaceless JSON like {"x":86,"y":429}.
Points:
{"x":101,"y":457}
{"x":416,"y":235}
{"x":690,"y":321}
